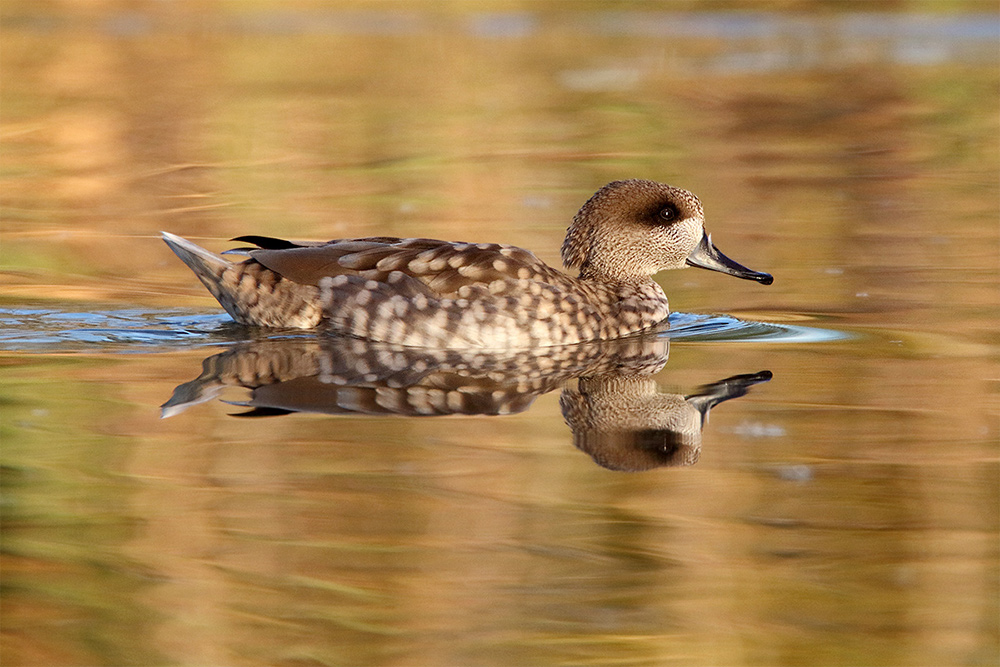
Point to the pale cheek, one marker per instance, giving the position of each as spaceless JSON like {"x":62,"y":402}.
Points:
{"x":674,"y":245}
{"x":692,"y":232}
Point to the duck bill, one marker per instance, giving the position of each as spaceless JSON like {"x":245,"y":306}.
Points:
{"x":707,"y":256}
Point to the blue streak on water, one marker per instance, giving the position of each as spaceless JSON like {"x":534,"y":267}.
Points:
{"x":130,"y":330}
{"x":134,"y":330}
{"x":687,"y":327}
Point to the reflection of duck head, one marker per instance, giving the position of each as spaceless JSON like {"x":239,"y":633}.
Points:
{"x":626,"y":424}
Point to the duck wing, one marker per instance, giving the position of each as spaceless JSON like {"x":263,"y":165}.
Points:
{"x":442,"y":267}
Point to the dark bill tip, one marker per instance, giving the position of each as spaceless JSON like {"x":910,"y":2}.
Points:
{"x":707,"y":256}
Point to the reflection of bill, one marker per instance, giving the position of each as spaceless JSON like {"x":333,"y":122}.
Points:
{"x":624,"y":423}
{"x":616,"y":413}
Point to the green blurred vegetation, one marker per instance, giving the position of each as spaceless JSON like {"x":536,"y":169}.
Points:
{"x":69,"y":595}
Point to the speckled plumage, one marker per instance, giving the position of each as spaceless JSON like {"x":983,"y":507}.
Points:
{"x":429,"y":293}
{"x":337,"y":375}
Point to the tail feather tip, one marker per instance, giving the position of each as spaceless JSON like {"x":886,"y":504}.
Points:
{"x":200,"y":260}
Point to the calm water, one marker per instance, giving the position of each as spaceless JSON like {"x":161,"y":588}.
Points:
{"x":841,"y":505}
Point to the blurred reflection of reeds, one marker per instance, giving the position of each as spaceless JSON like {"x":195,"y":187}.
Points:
{"x":851,"y":153}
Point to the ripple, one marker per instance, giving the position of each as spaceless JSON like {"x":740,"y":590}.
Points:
{"x":689,"y":327}
{"x":53,"y":330}
{"x":138,"y":330}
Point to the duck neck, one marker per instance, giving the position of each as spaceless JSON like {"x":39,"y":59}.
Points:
{"x":595,"y":273}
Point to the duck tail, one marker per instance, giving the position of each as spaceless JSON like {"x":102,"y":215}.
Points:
{"x":249,"y":291}
{"x":208,"y":266}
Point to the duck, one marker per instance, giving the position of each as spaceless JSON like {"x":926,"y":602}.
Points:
{"x":420,"y":292}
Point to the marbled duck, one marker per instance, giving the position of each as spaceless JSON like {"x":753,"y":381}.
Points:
{"x":427,"y":293}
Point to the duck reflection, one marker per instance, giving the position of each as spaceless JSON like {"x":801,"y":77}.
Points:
{"x":626,"y":424}
{"x":610,"y":399}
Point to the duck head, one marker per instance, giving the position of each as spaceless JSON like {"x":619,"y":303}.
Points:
{"x":631,"y":230}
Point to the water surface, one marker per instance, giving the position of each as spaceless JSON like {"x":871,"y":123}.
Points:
{"x":841,"y":510}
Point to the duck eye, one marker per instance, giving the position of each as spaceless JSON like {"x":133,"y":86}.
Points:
{"x":668,"y":214}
